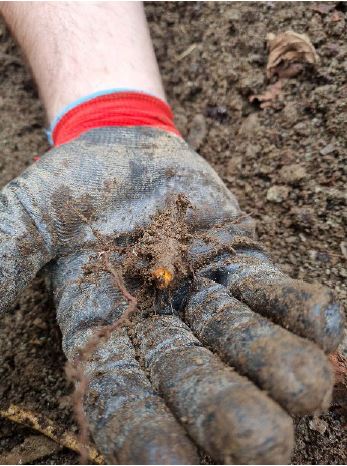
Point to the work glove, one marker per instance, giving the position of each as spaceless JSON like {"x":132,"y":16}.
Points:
{"x":219,"y":346}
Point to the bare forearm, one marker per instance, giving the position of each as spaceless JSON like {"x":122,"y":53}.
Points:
{"x":67,"y":64}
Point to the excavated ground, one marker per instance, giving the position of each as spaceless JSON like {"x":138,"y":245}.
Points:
{"x":287,"y":165}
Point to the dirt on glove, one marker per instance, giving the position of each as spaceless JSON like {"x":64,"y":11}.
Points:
{"x":159,"y":253}
{"x":300,"y":211}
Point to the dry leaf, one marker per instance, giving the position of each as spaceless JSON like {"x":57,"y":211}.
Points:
{"x":290,"y":71}
{"x":324,"y":8}
{"x":288,"y":52}
{"x":271,"y":93}
{"x":286,"y":48}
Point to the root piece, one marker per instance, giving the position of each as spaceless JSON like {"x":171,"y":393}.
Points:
{"x":271,"y":93}
{"x":293,"y":370}
{"x":286,"y":48}
{"x":163,"y":277}
{"x":48,"y":428}
{"x":128,"y":421}
{"x":159,"y":255}
{"x":75,"y":369}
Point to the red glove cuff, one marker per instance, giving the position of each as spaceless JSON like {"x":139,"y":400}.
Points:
{"x":116,"y":109}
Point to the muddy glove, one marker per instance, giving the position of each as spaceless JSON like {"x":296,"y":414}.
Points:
{"x":223,"y":346}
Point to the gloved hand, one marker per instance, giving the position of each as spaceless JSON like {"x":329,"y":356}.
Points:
{"x":225,"y":345}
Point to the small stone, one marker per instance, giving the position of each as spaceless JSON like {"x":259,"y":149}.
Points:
{"x":248,"y":188}
{"x":235,"y":164}
{"x":313,"y":254}
{"x":253,"y":150}
{"x":232,"y":76}
{"x":197,"y":132}
{"x":343,"y":247}
{"x":330,"y":50}
{"x":250,"y":127}
{"x":256,"y":58}
{"x":40,"y":323}
{"x":332,"y":193}
{"x":277,"y":193}
{"x":233,"y":15}
{"x":64,"y":402}
{"x":301,"y":128}
{"x":265,"y":169}
{"x":293,"y":173}
{"x":217,"y":112}
{"x":287,"y":268}
{"x":287,"y":156}
{"x":251,"y":84}
{"x":318,"y":425}
{"x":321,"y":256}
{"x":236,"y":104}
{"x":327,"y":149}
{"x":290,"y":112}
{"x":316,"y":122}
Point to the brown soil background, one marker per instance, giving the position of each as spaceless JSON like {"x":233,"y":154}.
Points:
{"x":212,"y":57}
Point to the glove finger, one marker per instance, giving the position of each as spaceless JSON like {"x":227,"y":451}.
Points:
{"x":225,"y":413}
{"x":310,"y":311}
{"x":293,"y":370}
{"x":129,"y":422}
{"x":24,"y":249}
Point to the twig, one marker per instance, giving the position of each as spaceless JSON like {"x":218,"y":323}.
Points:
{"x":48,"y":428}
{"x":74,"y":369}
{"x":186,"y":52}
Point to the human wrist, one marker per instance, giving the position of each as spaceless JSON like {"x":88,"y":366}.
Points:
{"x":111,"y":108}
{"x":84,"y":47}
